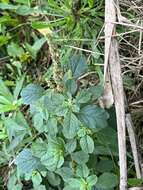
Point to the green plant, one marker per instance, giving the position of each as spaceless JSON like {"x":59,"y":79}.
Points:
{"x":54,"y":136}
{"x":71,"y":137}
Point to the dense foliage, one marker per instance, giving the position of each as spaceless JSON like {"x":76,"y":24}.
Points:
{"x":53,"y":132}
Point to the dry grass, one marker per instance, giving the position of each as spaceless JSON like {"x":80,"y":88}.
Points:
{"x":131,"y":54}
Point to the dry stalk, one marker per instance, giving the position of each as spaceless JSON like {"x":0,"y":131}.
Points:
{"x":112,"y":58}
{"x":130,"y":129}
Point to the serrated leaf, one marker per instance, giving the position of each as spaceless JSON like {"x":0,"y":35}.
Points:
{"x":87,"y":144}
{"x":26,"y":162}
{"x":70,"y":126}
{"x":31,"y":93}
{"x":107,"y":181}
{"x":93,"y":117}
{"x":80,"y":157}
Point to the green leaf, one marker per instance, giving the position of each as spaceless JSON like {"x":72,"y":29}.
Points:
{"x":82,"y":171}
{"x":54,"y":158}
{"x":83,"y":96}
{"x":70,"y":126}
{"x":14,"y":50}
{"x":26,"y":2}
{"x":74,"y":183}
{"x":80,"y":157}
{"x":71,"y":145}
{"x":13,"y":183}
{"x":36,"y":179}
{"x":96,"y":91}
{"x":55,"y":104}
{"x":71,"y":86}
{"x":105,"y":166}
{"x":40,"y":25}
{"x":4,"y":91}
{"x":93,"y":117}
{"x":53,"y":179}
{"x":135,"y":182}
{"x":34,"y":49}
{"x":38,"y":122}
{"x":68,"y":187}
{"x":78,"y":65}
{"x":40,"y":187}
{"x":14,"y":129}
{"x":39,"y":149}
{"x":31,"y":93}
{"x":65,"y":172}
{"x":52,"y":126}
{"x":4,"y":39}
{"x":87,"y":144}
{"x":91,"y":180}
{"x":19,"y":84}
{"x":24,"y":10}
{"x":107,"y":181}
{"x":25,"y":161}
{"x":6,"y":6}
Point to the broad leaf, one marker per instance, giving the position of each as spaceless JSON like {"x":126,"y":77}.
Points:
{"x":91,"y":180}
{"x":105,"y":166}
{"x":78,"y":65}
{"x":82,"y":171}
{"x":83,"y":96}
{"x":39,"y":149}
{"x":80,"y":157}
{"x":38,"y":122}
{"x":36,"y":179}
{"x":87,"y":144}
{"x":70,"y":126}
{"x":14,"y":50}
{"x":26,"y":162}
{"x":71,"y":145}
{"x":53,"y":179}
{"x":65,"y":172}
{"x":31,"y":93}
{"x":107,"y":181}
{"x":93,"y":117}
